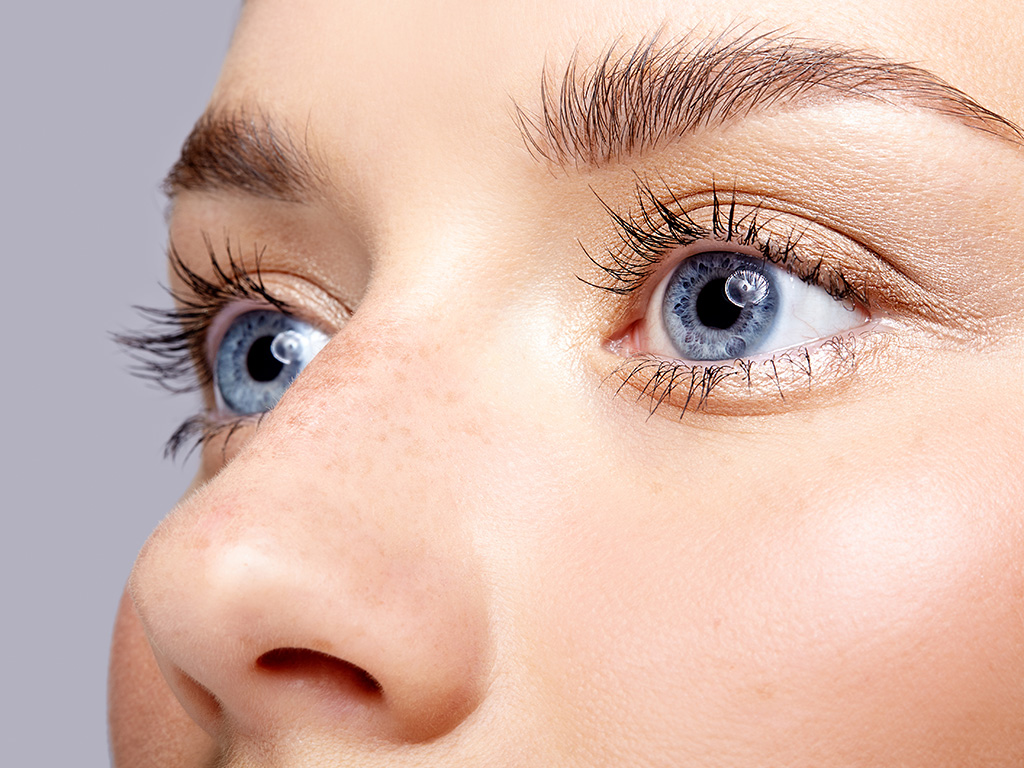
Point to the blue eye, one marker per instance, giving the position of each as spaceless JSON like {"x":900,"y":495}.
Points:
{"x":721,"y":305}
{"x":260,"y":355}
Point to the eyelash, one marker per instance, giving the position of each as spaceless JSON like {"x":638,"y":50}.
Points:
{"x":657,"y":228}
{"x":646,"y":238}
{"x":172,"y":351}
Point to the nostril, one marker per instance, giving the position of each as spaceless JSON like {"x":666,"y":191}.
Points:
{"x":309,"y":665}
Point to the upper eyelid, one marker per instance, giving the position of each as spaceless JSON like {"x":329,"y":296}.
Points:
{"x":172,"y":351}
{"x":660,"y":224}
{"x":235,"y":280}
{"x":670,"y":261}
{"x":219,"y":324}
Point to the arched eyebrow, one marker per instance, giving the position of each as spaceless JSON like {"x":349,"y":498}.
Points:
{"x":622,"y":105}
{"x":627,"y":103}
{"x":246,"y":151}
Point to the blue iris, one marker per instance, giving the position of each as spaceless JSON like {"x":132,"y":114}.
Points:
{"x":260,"y":355}
{"x":719,"y":305}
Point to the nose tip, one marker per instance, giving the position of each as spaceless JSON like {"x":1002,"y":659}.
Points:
{"x":262,"y":617}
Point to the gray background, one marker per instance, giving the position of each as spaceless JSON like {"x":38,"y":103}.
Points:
{"x":97,"y":98}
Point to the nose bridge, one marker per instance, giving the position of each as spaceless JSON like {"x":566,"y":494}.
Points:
{"x":328,"y":552}
{"x":373,"y":383}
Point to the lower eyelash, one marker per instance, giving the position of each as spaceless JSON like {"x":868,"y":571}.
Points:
{"x":197,"y":431}
{"x":655,"y":230}
{"x":661,"y":381}
{"x":663,"y":376}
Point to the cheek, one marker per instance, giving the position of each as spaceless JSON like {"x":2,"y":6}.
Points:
{"x":148,"y":728}
{"x":856,"y":621}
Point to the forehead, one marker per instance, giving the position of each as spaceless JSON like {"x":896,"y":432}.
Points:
{"x":432,"y":85}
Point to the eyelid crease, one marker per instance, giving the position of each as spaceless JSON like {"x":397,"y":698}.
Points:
{"x":811,"y":248}
{"x":663,"y":231}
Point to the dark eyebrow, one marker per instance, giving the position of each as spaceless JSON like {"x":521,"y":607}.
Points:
{"x":246,"y":151}
{"x":627,"y":103}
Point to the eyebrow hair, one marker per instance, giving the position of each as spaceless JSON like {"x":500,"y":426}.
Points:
{"x":246,"y":151}
{"x":625,"y":104}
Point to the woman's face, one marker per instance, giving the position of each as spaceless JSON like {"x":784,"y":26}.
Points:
{"x":671,"y":415}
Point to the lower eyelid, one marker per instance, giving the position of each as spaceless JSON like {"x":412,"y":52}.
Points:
{"x":216,"y":435}
{"x":809,"y":376}
{"x":200,"y":432}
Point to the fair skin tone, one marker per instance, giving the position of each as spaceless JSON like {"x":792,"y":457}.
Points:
{"x":462,"y":538}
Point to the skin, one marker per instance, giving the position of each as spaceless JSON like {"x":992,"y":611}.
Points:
{"x":458,"y":498}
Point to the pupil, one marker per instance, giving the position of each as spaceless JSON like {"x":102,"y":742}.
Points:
{"x":260,"y":361}
{"x":713,"y":306}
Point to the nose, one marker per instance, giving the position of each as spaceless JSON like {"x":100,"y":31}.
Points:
{"x":324,"y":579}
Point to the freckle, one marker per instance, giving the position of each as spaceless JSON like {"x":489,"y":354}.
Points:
{"x":765,"y":691}
{"x":472,"y":429}
{"x":836,"y":462}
